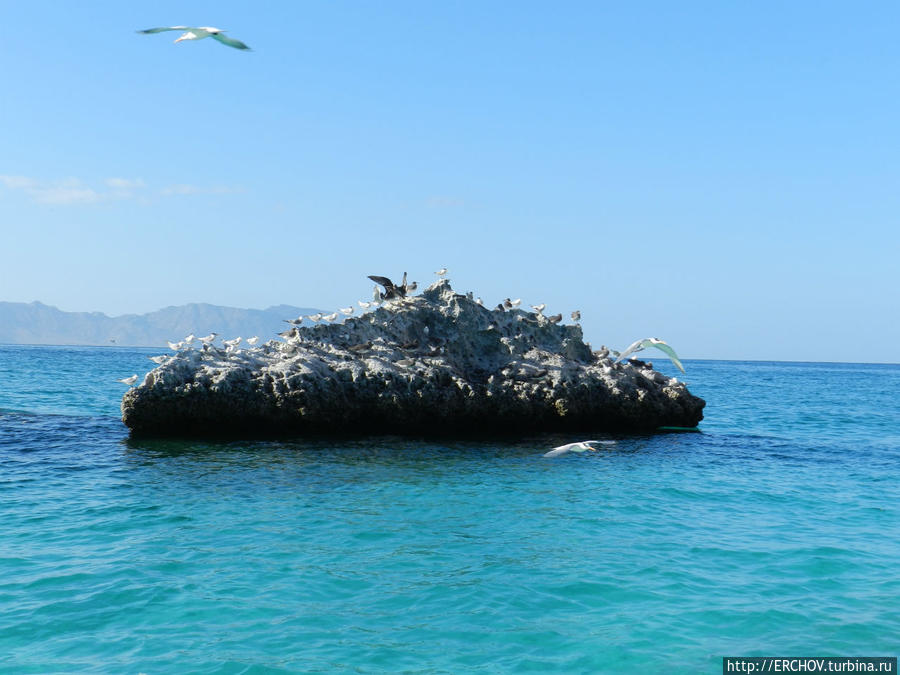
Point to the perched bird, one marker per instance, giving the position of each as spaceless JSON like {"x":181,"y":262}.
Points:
{"x":159,"y":359}
{"x":189,"y":339}
{"x":208,"y":339}
{"x":128,"y":380}
{"x":315,"y":317}
{"x":512,"y":304}
{"x":576,"y":315}
{"x":556,"y":318}
{"x":232,"y":343}
{"x":500,"y":307}
{"x":288,"y":334}
{"x":442,"y":272}
{"x":539,"y":309}
{"x":330,"y":317}
{"x":479,"y":301}
{"x":252,"y":341}
{"x":413,"y":286}
{"x":640,"y":345}
{"x":580,"y":446}
{"x":294,"y":322}
{"x":175,"y":346}
{"x":364,"y":305}
{"x":391,"y":291}
{"x":191,"y":33}
{"x":346,"y":310}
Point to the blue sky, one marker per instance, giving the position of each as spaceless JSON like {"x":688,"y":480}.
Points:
{"x":725,"y":176}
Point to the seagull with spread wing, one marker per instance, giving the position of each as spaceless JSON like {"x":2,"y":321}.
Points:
{"x":191,"y":33}
{"x":640,"y":345}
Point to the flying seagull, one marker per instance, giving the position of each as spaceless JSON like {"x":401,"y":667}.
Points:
{"x":191,"y":33}
{"x":640,"y":345}
{"x":580,"y":446}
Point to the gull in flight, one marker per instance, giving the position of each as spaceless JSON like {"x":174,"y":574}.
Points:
{"x":199,"y":33}
{"x":580,"y":446}
{"x":640,"y":345}
{"x":128,"y":380}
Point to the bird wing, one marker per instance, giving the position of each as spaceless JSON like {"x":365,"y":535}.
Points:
{"x":384,"y":281}
{"x":635,"y":346}
{"x":231,"y":42}
{"x":662,"y":346}
{"x":163,"y":29}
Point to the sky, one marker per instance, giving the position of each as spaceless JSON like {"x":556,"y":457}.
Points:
{"x":724,"y":176}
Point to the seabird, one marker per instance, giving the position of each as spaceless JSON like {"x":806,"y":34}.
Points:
{"x":159,"y":359}
{"x":500,"y":308}
{"x":330,"y":317}
{"x":128,"y":380}
{"x":252,"y":341}
{"x":293,"y":322}
{"x":364,"y":305}
{"x":208,"y":339}
{"x":639,"y":345}
{"x":390,"y":290}
{"x":539,"y":309}
{"x":191,"y":33}
{"x":413,"y":286}
{"x":189,"y":339}
{"x":442,"y":272}
{"x":576,"y":315}
{"x":479,"y":301}
{"x":232,"y":343}
{"x":175,"y":346}
{"x":580,"y":446}
{"x":556,"y":318}
{"x":315,"y":317}
{"x":346,"y":310}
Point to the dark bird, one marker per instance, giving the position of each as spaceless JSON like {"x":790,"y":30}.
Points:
{"x":556,"y":318}
{"x":576,"y":315}
{"x":390,"y":290}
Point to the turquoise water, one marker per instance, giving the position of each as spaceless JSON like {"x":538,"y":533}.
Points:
{"x":775,"y":530}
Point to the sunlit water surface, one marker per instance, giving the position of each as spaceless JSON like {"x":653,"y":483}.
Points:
{"x":775,"y":530}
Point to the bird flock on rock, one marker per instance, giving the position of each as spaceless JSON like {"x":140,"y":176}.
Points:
{"x":387,"y":293}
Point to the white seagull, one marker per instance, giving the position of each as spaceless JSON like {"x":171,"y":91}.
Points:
{"x":651,"y":342}
{"x":346,"y":310}
{"x":175,"y":346}
{"x":315,"y":317}
{"x":208,"y":339}
{"x":539,"y":309}
{"x":191,"y":33}
{"x":128,"y":380}
{"x":159,"y":359}
{"x":576,"y":315}
{"x":330,"y":317}
{"x":580,"y":446}
{"x":442,"y":272}
{"x":252,"y":341}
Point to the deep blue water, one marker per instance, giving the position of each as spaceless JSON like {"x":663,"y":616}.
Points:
{"x":774,"y":530}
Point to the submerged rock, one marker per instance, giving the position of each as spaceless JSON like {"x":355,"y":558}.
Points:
{"x":436,"y":363}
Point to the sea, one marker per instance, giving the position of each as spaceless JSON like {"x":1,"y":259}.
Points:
{"x":772,"y":530}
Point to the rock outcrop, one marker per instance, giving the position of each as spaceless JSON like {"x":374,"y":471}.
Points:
{"x":436,"y":363}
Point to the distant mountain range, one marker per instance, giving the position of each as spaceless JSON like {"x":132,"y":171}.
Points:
{"x":39,"y":324}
